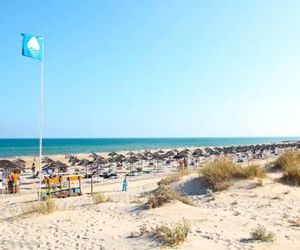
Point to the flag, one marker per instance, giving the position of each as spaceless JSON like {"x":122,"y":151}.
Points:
{"x":32,"y":46}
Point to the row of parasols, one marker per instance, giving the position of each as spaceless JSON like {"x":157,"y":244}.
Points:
{"x":161,"y":155}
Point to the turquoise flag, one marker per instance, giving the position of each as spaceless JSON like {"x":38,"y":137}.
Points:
{"x":32,"y":46}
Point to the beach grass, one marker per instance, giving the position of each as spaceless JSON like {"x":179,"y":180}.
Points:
{"x":164,"y":195}
{"x":218,"y":175}
{"x":42,"y":207}
{"x":169,"y":236}
{"x":295,"y":222}
{"x":289,"y":163}
{"x":99,"y":197}
{"x":292,"y":176}
{"x":173,"y":177}
{"x":261,"y":233}
{"x":286,"y":160}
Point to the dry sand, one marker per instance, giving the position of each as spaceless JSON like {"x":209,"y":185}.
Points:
{"x":224,"y":222}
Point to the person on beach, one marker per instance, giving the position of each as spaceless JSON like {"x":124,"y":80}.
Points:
{"x":124,"y":184}
{"x":185,"y":163}
{"x":14,"y":181}
{"x":33,"y":169}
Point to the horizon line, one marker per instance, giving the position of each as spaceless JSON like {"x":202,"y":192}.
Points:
{"x":155,"y":137}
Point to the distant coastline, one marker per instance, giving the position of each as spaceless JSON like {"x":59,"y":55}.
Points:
{"x":29,"y":147}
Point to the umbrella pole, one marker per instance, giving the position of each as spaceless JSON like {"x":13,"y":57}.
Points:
{"x":41,"y":125}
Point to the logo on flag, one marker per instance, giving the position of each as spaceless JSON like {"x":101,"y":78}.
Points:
{"x":32,"y":46}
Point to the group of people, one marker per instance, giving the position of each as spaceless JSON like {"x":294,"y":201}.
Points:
{"x":13,"y":180}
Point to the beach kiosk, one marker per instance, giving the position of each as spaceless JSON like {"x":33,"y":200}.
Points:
{"x":62,"y":187}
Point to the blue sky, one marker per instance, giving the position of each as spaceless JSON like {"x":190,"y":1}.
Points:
{"x":152,"y":68}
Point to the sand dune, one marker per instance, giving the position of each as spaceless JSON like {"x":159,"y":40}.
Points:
{"x":223,"y":221}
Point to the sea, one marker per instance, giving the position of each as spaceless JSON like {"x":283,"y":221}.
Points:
{"x":30,"y":147}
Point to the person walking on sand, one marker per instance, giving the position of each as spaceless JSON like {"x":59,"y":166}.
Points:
{"x":124,"y":184}
{"x":33,"y":168}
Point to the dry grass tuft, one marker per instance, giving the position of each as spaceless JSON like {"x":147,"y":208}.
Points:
{"x":253,"y":171}
{"x":42,"y":207}
{"x":260,"y":233}
{"x":99,"y":197}
{"x":136,"y":201}
{"x":287,"y":160}
{"x":173,"y":177}
{"x":169,"y":236}
{"x":295,"y":222}
{"x":285,"y":216}
{"x":292,"y":176}
{"x":259,"y":182}
{"x":164,"y":195}
{"x":218,"y":175}
{"x":289,"y":163}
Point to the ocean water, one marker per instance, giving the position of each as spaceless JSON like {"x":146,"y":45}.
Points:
{"x":29,"y":147}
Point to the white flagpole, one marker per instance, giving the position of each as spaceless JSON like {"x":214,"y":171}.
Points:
{"x":41,"y":120}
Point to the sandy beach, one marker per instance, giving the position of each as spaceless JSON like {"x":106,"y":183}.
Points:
{"x":223,"y":220}
{"x":149,"y":125}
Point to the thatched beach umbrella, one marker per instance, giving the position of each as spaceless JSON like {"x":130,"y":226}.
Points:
{"x":112,"y":154}
{"x":84,"y":162}
{"x":56,"y":165}
{"x":141,"y":157}
{"x":93,"y":155}
{"x":47,"y":160}
{"x":148,"y":154}
{"x":170,"y":153}
{"x":6,"y":164}
{"x":159,"y":157}
{"x":132,"y":159}
{"x":197,"y":153}
{"x":130,"y":153}
{"x":99,"y":161}
{"x":73,"y":160}
{"x":110,"y":160}
{"x":19,"y":163}
{"x":119,"y":158}
{"x":180,"y":155}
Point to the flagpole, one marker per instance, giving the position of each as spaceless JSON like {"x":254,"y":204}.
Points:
{"x":41,"y":120}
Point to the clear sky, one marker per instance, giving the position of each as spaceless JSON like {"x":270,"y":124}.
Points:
{"x":152,"y":68}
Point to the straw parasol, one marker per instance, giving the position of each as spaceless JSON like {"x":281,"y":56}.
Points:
{"x":130,"y":153}
{"x":112,"y":154}
{"x":6,"y":164}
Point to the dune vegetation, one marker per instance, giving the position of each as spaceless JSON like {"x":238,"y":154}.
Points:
{"x":218,"y":175}
{"x":99,"y":197}
{"x":289,"y":163}
{"x":169,"y":236}
{"x":41,"y":207}
{"x":173,"y":177}
{"x":164,"y":195}
{"x":287,"y":160}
